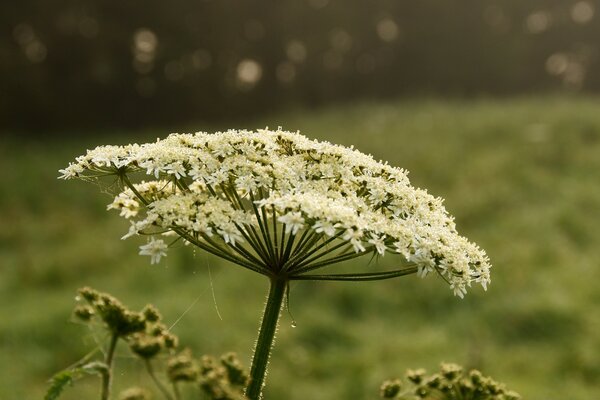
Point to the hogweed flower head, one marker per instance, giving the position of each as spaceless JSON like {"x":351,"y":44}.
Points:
{"x":280,"y":204}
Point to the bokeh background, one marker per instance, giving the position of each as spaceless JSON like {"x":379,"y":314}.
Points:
{"x":100,"y":64}
{"x":491,"y":104}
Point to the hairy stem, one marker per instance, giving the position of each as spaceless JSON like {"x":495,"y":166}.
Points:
{"x":108,"y":359}
{"x":266,"y":337}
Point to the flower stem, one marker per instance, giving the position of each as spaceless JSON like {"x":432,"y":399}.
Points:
{"x":266,"y":337}
{"x":367,"y":276}
{"x":158,"y":384}
{"x":106,"y":377}
{"x":176,"y":391}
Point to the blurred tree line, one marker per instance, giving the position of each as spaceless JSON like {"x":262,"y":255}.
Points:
{"x":73,"y":64}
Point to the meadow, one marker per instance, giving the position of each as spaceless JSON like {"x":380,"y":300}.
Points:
{"x":521,"y":176}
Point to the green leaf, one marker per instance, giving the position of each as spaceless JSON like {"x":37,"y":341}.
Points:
{"x":95,"y":368}
{"x":58,"y":384}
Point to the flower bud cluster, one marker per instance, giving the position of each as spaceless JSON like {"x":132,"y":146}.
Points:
{"x":183,"y":368}
{"x":451,"y":383}
{"x":225,"y":380}
{"x":267,"y":199}
{"x":147,"y":337}
{"x":143,"y":331}
{"x":117,"y":319}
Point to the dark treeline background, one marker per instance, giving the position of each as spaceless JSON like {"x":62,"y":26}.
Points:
{"x":73,"y":64}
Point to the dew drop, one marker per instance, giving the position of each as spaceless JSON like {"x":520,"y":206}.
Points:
{"x":294,"y":324}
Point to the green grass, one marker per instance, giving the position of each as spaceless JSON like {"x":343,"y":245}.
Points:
{"x":521,"y":176}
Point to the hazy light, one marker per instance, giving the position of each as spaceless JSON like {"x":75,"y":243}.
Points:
{"x":142,"y":67}
{"x":23,"y":34}
{"x":296,"y":51}
{"x":570,"y":67}
{"x":249,"y":72}
{"x":340,"y":40}
{"x":143,"y":57}
{"x":538,"y":22}
{"x":32,"y":46}
{"x":286,"y":72}
{"x":387,"y":30}
{"x":557,"y":64}
{"x":574,"y":75}
{"x":36,"y":51}
{"x":145,"y":41}
{"x":582,"y":12}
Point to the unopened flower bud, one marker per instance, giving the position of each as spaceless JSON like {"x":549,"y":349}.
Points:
{"x":207,"y":364}
{"x":84,"y":313}
{"x":236,"y":373}
{"x":89,"y":294}
{"x":183,"y":368}
{"x":151,"y":313}
{"x":145,"y":346}
{"x":476,"y":377}
{"x":422,"y":392}
{"x":434,"y":381}
{"x":451,"y":371}
{"x":135,"y":393}
{"x":390,"y":389}
{"x":415,"y":376}
{"x":171,"y":341}
{"x":158,"y":330}
{"x":510,"y":395}
{"x":494,"y":387}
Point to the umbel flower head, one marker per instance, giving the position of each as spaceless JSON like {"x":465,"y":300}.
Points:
{"x":280,"y":204}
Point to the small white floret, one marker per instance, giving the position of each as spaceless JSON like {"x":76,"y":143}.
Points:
{"x":155,"y":249}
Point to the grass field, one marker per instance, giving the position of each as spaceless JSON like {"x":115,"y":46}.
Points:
{"x":521,"y":176}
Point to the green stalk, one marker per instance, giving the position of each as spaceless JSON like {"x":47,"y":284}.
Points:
{"x":343,"y":256}
{"x":275,"y":244}
{"x":176,"y":391}
{"x":368,"y":276}
{"x":264,"y":227}
{"x":107,"y":376}
{"x":158,"y":384}
{"x":266,"y":337}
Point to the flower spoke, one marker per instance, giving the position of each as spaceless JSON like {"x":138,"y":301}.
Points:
{"x":367,"y":276}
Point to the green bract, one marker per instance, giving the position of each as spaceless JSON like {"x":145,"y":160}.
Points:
{"x":282,"y":205}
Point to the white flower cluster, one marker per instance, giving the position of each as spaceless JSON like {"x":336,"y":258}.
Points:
{"x":279,"y":202}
